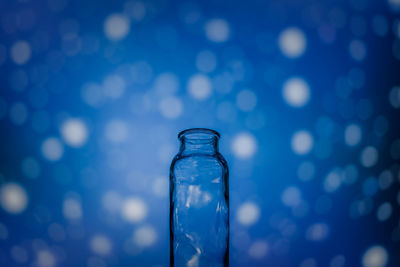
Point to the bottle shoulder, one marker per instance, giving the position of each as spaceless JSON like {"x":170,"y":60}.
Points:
{"x":206,"y":159}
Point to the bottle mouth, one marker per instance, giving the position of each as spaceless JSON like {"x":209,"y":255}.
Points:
{"x":200,"y":134}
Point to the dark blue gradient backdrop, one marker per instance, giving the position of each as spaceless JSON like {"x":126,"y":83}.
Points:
{"x":305,"y":95}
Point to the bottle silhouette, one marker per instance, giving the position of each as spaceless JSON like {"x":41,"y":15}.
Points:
{"x":199,"y":202}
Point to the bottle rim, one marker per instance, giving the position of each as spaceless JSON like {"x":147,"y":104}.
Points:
{"x":206,"y":131}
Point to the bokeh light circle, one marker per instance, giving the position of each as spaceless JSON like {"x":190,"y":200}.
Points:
{"x":74,"y":132}
{"x":116,"y":27}
{"x":21,"y":52}
{"x":52,"y":149}
{"x":292,"y":42}
{"x":244,"y":145}
{"x":302,"y":142}
{"x":134,"y":210}
{"x":200,"y":87}
{"x":375,"y":256}
{"x":296,"y":92}
{"x":248,"y":213}
{"x":217,"y":30}
{"x":13,"y":198}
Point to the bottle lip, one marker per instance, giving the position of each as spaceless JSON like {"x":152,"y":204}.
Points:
{"x":207,"y":132}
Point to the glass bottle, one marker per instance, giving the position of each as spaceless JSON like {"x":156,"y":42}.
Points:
{"x":199,"y":202}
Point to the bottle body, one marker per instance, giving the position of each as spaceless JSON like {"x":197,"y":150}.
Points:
{"x":199,"y":205}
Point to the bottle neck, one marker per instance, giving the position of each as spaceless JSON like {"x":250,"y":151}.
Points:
{"x":202,"y":146}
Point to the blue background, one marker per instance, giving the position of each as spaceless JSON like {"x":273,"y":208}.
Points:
{"x":56,"y":60}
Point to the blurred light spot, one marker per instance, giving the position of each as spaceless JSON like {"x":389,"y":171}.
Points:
{"x":395,"y":149}
{"x":166,"y":152}
{"x":302,"y":142}
{"x":114,"y":86}
{"x":72,"y":209}
{"x":292,"y":42}
{"x":3,"y":232}
{"x":323,"y":205}
{"x":317,"y":232}
{"x":338,"y":261}
{"x":352,"y":135}
{"x":71,"y":44}
{"x":240,"y":240}
{"x":69,"y":26}
{"x":384,"y":211}
{"x":356,"y":78}
{"x":160,"y":187}
{"x":394,"y":97}
{"x":394,"y":4}
{"x":52,"y":149}
{"x":332,"y":181}
{"x":350,"y":174}
{"x":327,"y":33}
{"x":3,"y":54}
{"x":13,"y":198}
{"x":380,"y":25}
{"x":301,"y":210}
{"x":141,"y":72}
{"x":369,"y":156}
{"x":3,"y":108}
{"x":18,"y":80}
{"x":246,"y":100}
{"x":291,"y":196}
{"x":19,"y":254}
{"x":40,"y":121}
{"x":358,"y":50}
{"x":166,"y":84}
{"x":244,"y":145}
{"x":248,"y":213}
{"x":306,"y":171}
{"x":217,"y":30}
{"x":325,"y":126}
{"x":30,"y":168}
{"x":20,"y":52}
{"x":224,"y":82}
{"x":296,"y":92}
{"x":136,"y":10}
{"x":358,"y":25}
{"x":323,"y":148}
{"x":38,"y":97}
{"x":206,"y":61}
{"x":385,"y":179}
{"x":134,"y":210}
{"x":310,"y":262}
{"x":370,"y":186}
{"x":398,"y":198}
{"x":381,"y":125}
{"x":92,"y":94}
{"x":257,"y":120}
{"x":171,"y":107}
{"x":258,"y":249}
{"x":57,"y":5}
{"x":56,"y":232}
{"x":364,"y":109}
{"x":74,"y":132}
{"x":116,"y":27}
{"x":45,"y":259}
{"x":116,"y":131}
{"x":96,"y":262}
{"x":112,"y":201}
{"x":375,"y":256}
{"x":145,"y":236}
{"x":18,"y":113}
{"x":226,"y":111}
{"x":199,"y":86}
{"x":100,"y":245}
